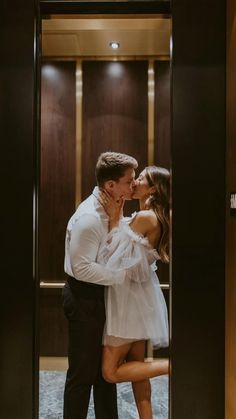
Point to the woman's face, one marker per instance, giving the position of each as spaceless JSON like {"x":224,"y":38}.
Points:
{"x":142,"y":189}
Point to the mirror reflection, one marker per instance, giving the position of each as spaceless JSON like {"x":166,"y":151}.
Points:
{"x":94,"y":99}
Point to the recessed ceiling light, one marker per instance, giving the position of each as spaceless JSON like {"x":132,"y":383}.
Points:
{"x":114,"y":45}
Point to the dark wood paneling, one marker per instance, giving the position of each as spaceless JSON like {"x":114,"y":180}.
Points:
{"x":162,"y":124}
{"x":162,"y":114}
{"x":17,"y":117}
{"x":53,"y":324}
{"x":230,"y":412}
{"x":164,"y":352}
{"x":198,"y":196}
{"x":163,"y":272}
{"x":114,"y":114}
{"x":83,"y":6}
{"x":57,"y":190}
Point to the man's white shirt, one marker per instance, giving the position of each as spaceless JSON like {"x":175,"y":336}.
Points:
{"x":86,"y":232}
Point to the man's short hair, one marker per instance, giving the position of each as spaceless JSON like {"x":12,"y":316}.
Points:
{"x":112,"y":166}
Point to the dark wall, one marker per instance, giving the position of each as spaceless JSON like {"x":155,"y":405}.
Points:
{"x":106,"y":6}
{"x":58,"y":165}
{"x":114,"y":117}
{"x":53,"y":324}
{"x":162,"y":112}
{"x":57,"y":196}
{"x":114,"y":114}
{"x":17,"y":307}
{"x":230,"y":411}
{"x":162,"y":134}
{"x":198,"y":195}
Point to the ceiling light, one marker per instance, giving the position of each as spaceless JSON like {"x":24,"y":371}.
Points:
{"x":114,"y":45}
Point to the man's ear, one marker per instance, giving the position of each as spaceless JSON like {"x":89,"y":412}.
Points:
{"x":109,"y":185}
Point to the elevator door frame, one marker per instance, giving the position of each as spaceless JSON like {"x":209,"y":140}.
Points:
{"x":180,"y":63}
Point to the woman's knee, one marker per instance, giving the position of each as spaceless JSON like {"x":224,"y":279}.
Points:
{"x":109,"y":374}
{"x":113,"y":358}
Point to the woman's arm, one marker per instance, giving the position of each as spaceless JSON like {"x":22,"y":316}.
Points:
{"x":113,"y":208}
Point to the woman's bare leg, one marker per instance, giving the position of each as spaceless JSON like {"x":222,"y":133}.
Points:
{"x":141,"y":389}
{"x":115,"y":370}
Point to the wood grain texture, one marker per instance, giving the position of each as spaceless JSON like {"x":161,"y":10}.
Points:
{"x":18,"y":173}
{"x":198,"y":208}
{"x":230,"y":412}
{"x":114,"y":114}
{"x":53,"y":324}
{"x":162,"y":114}
{"x":57,"y":187}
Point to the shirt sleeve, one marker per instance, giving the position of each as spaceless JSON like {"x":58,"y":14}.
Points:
{"x":83,"y":250}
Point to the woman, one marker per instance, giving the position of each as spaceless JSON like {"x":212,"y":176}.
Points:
{"x":136,"y":309}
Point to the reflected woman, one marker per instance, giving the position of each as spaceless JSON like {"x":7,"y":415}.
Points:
{"x":135,"y":309}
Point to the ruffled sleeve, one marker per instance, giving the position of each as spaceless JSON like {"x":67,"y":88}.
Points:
{"x":126,"y":250}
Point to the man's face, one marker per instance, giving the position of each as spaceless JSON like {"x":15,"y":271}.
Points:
{"x":124,"y":187}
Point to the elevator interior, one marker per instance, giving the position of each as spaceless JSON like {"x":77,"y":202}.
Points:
{"x":198,"y":174}
{"x":94,"y":98}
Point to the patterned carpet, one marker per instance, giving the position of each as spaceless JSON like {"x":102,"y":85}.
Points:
{"x":51,"y":397}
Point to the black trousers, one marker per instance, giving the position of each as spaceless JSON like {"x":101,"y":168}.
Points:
{"x":84,"y":308}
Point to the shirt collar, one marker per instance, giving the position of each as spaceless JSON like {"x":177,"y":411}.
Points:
{"x":99,"y":208}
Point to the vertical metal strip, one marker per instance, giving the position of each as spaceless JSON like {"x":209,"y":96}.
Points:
{"x":150,"y":147}
{"x":78,"y":148}
{"x":151,"y":93}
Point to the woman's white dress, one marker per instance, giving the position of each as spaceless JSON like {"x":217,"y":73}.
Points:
{"x":135,"y":308}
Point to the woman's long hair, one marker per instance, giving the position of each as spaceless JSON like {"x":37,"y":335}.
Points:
{"x":159,"y":202}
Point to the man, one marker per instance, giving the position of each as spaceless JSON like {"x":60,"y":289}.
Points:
{"x":83,"y":294}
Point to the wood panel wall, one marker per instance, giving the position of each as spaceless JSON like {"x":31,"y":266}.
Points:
{"x":162,"y":113}
{"x":114,"y":115}
{"x":58,"y":165}
{"x":162,"y":126}
{"x":230,"y":412}
{"x":18,"y":353}
{"x":114,"y":118}
{"x":198,"y":208}
{"x":57,"y":195}
{"x":53,"y":323}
